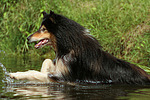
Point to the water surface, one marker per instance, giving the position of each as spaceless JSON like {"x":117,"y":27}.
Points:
{"x":11,"y":89}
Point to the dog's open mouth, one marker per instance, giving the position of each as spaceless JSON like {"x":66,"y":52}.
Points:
{"x":42,"y":43}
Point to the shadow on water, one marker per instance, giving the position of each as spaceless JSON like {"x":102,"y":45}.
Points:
{"x":11,"y":89}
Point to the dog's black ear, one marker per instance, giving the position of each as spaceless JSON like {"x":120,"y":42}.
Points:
{"x":44,"y":13}
{"x":52,"y":16}
{"x":51,"y":12}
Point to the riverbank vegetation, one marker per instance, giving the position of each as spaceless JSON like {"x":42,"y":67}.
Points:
{"x":121,"y":26}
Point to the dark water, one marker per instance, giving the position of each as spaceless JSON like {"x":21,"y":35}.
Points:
{"x":20,"y":90}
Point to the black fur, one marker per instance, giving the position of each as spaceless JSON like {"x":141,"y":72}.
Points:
{"x":84,"y":57}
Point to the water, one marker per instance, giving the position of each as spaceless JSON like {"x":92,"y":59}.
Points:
{"x":11,"y":89}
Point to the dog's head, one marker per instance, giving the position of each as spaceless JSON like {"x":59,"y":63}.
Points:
{"x":61,"y":33}
{"x":44,"y":35}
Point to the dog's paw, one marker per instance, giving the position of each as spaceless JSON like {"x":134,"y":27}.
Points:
{"x":14,"y":76}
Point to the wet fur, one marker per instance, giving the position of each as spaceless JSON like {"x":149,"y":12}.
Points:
{"x":80,"y":58}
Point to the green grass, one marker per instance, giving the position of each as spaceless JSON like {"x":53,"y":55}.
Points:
{"x":121,"y":26}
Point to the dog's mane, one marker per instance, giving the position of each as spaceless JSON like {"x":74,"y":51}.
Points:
{"x":85,"y":55}
{"x":70,"y":35}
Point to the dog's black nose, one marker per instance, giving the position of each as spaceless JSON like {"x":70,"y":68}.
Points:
{"x":29,"y":37}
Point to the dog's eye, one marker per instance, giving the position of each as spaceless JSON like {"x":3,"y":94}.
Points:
{"x":43,"y":29}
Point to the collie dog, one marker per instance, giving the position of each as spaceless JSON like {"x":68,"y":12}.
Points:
{"x":79,"y":57}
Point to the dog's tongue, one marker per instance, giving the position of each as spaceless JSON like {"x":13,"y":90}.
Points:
{"x":41,"y":43}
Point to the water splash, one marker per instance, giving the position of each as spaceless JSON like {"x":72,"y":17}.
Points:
{"x":6,"y":79}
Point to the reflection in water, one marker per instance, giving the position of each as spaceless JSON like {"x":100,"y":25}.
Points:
{"x":61,"y":91}
{"x":138,"y":94}
{"x":57,"y":91}
{"x":37,"y":92}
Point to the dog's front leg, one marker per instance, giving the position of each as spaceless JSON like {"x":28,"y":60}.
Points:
{"x":32,"y":75}
{"x":48,"y":66}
